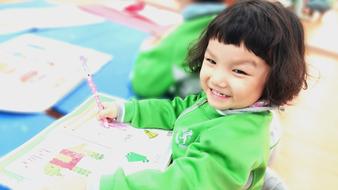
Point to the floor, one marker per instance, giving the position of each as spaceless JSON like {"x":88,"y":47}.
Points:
{"x":307,"y":156}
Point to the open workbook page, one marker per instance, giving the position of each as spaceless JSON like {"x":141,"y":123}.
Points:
{"x":78,"y":144}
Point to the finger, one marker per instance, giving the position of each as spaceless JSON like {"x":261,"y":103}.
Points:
{"x":105,"y":113}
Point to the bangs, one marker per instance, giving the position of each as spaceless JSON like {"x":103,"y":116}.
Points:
{"x":252,"y":28}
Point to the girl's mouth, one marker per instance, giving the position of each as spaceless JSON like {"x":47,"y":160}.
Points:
{"x":218,"y":94}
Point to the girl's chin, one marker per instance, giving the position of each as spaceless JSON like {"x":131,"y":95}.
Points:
{"x":216,"y":104}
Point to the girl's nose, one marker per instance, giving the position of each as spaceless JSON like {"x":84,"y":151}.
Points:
{"x":219,"y":79}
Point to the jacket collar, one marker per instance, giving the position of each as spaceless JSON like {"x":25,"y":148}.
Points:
{"x":259,"y":106}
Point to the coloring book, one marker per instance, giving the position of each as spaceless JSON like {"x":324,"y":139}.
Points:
{"x":78,"y":144}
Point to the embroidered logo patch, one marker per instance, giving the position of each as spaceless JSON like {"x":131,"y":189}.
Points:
{"x":183,"y":137}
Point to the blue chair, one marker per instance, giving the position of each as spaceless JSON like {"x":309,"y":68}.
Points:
{"x":16,"y":129}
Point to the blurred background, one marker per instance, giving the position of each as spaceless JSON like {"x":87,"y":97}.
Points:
{"x":307,"y":155}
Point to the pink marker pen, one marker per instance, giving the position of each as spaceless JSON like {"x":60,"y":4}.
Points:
{"x":92,"y":87}
{"x":99,"y":104}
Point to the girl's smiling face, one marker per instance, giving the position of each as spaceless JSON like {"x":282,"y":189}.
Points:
{"x":232,"y":76}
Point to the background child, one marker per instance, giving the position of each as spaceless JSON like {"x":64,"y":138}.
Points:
{"x":250,"y":59}
{"x":160,"y":64}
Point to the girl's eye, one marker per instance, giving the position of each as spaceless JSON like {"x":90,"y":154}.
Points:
{"x":237,"y":71}
{"x":210,"y":61}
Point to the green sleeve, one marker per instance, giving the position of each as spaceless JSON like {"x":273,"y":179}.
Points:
{"x":157,"y":113}
{"x":152,"y":74}
{"x":222,"y":158}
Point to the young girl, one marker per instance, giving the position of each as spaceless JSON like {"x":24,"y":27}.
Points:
{"x":250,"y":59}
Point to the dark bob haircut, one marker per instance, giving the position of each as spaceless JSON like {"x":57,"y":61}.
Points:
{"x":271,"y":32}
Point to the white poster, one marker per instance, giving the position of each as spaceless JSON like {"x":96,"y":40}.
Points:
{"x":36,"y":72}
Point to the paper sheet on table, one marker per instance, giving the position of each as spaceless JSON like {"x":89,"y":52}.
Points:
{"x":21,"y":19}
{"x":36,"y":72}
{"x":78,"y":144}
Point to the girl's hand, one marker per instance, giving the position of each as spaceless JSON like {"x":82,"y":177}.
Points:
{"x":110,"y":111}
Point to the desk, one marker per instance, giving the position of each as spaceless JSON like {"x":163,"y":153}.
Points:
{"x":15,"y":129}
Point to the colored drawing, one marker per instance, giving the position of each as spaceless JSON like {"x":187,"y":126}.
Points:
{"x":150,"y":134}
{"x":82,"y":149}
{"x":69,"y":159}
{"x":134,"y":157}
{"x":94,"y":155}
{"x":52,"y":170}
{"x":82,"y":171}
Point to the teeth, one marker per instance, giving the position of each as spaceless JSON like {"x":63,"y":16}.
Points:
{"x":217,"y":93}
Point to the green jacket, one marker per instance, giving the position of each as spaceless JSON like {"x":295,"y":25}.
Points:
{"x":152,"y":74}
{"x":210,"y":151}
